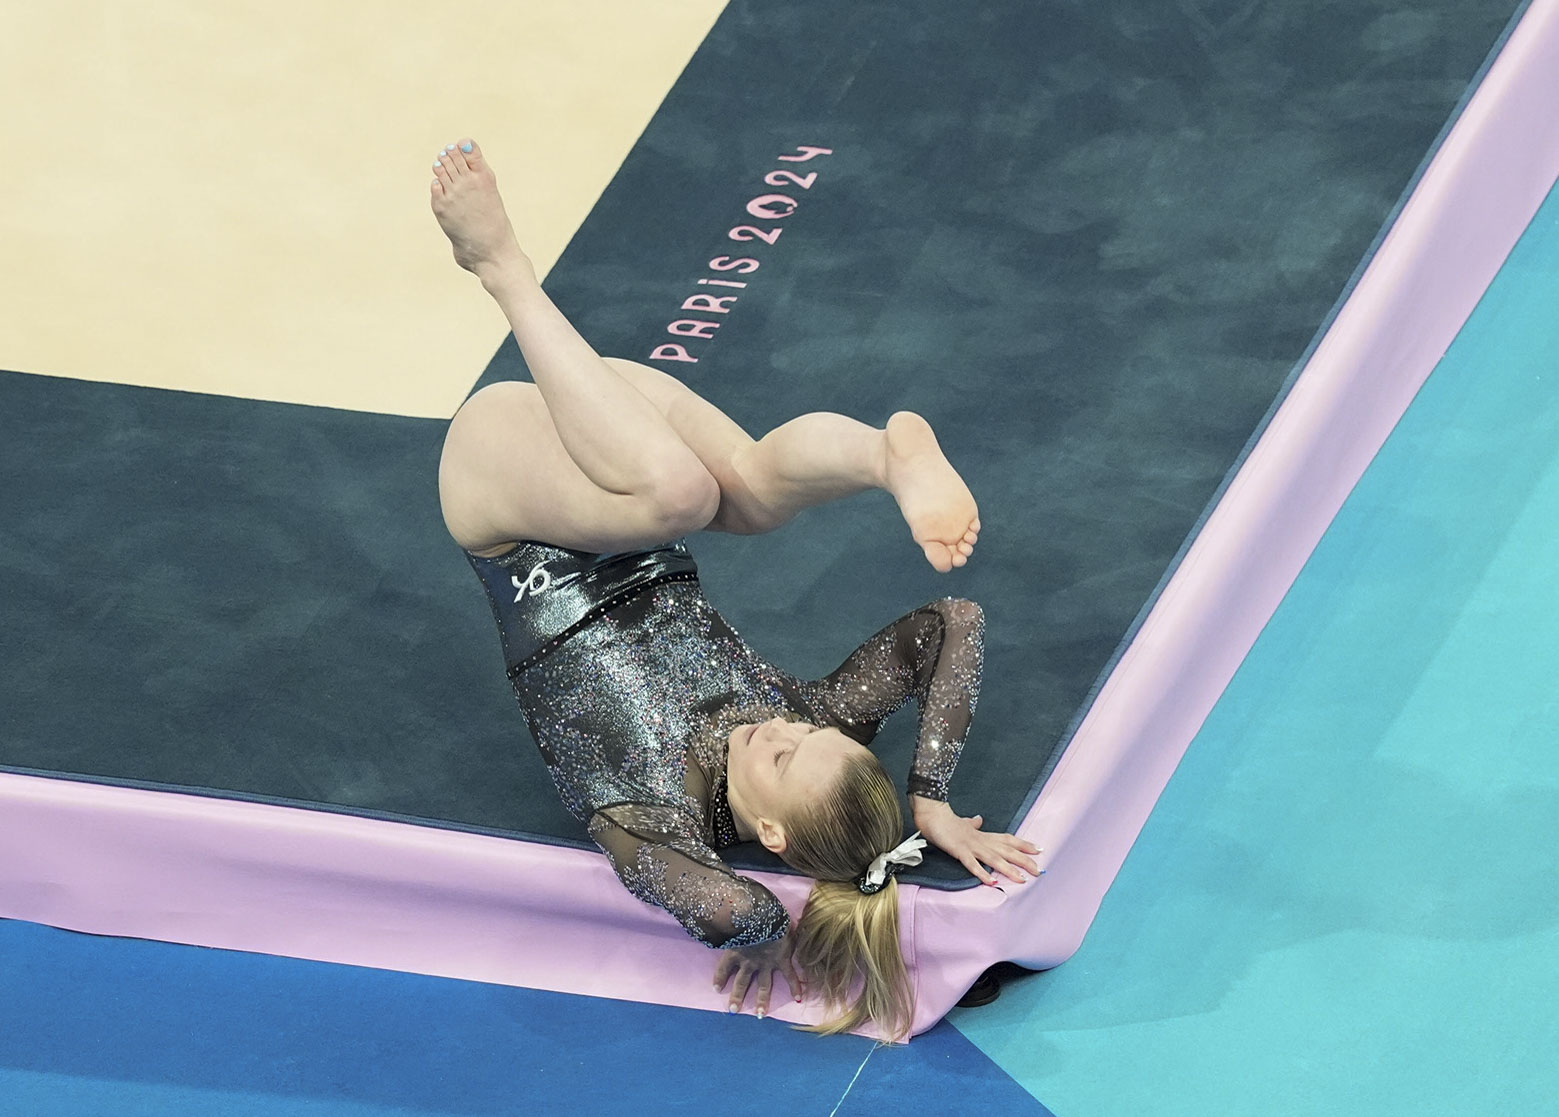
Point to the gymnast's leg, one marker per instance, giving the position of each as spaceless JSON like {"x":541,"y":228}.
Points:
{"x":609,"y":454}
{"x":815,"y":458}
{"x":597,"y":467}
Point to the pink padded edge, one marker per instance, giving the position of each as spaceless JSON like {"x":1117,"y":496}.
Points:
{"x":340,"y":888}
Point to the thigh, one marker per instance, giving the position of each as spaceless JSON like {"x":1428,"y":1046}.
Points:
{"x":506,"y":476}
{"x":710,"y":433}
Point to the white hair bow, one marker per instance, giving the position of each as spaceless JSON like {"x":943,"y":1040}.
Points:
{"x":906,"y":852}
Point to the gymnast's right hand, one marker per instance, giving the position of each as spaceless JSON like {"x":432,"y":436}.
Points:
{"x":763,"y":962}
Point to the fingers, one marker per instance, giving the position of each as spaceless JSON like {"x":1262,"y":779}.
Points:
{"x":1006,"y":858}
{"x":998,"y":865}
{"x":739,"y":990}
{"x":1017,"y":849}
{"x":737,"y":964}
{"x":733,"y":963}
{"x":765,"y":987}
{"x":726,"y":967}
{"x":1012,"y":872}
{"x":1006,"y":855}
{"x":977,"y":870}
{"x":744,"y":981}
{"x":792,"y":979}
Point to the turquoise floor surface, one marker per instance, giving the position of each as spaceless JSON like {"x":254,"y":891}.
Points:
{"x":1346,"y":901}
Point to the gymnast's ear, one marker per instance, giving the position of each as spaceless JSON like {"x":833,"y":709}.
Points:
{"x":772,"y":835}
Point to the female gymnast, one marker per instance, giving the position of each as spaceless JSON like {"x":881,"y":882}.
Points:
{"x":666,"y":735}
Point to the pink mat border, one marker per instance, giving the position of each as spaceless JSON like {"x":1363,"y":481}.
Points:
{"x":342,"y":888}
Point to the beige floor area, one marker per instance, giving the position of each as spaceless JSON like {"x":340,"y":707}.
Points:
{"x":231,"y":196}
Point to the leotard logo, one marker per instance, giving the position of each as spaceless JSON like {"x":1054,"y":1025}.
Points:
{"x":538,"y":581}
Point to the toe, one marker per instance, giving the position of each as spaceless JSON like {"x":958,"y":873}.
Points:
{"x":452,"y":159}
{"x":966,"y":549}
{"x":466,"y":151}
{"x":938,"y":555}
{"x":446,"y":177}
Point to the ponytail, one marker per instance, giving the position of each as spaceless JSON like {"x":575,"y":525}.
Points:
{"x":845,"y":936}
{"x":848,"y":939}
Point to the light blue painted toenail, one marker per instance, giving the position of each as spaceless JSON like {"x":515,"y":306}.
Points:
{"x":465,"y":148}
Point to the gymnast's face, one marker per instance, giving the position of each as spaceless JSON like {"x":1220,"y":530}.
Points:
{"x":777,"y":767}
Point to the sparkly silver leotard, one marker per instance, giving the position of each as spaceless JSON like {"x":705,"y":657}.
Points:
{"x":632,"y":684}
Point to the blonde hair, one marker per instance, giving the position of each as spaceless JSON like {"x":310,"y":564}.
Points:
{"x":846,"y":936}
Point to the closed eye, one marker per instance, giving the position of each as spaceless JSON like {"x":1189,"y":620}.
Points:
{"x":791,"y":751}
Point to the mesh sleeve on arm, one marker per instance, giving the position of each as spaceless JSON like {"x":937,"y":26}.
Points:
{"x":934,"y":655}
{"x":660,"y":858}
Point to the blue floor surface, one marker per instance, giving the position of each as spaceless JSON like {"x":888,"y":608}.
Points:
{"x":94,"y":1026}
{"x":1345,"y":901}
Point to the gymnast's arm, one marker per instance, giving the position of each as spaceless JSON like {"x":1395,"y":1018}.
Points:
{"x":934,"y":655}
{"x":659,"y":856}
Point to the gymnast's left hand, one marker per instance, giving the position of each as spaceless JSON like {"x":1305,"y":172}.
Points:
{"x":762,"y":962}
{"x":963,"y":840}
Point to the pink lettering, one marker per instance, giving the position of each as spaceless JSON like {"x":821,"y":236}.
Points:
{"x":772,"y":207}
{"x":767,"y":208}
{"x":672,"y":353}
{"x":806,"y":153}
{"x":784,"y":178}
{"x":745,"y":266}
{"x":747,"y":232}
{"x":695,"y":328}
{"x":714,"y":304}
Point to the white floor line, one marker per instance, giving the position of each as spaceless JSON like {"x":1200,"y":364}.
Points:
{"x":850,"y":1087}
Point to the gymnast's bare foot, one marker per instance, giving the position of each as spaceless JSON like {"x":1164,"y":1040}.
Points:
{"x":937,"y":505}
{"x":469,"y":210}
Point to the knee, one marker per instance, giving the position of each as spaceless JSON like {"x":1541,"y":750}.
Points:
{"x":684,"y":501}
